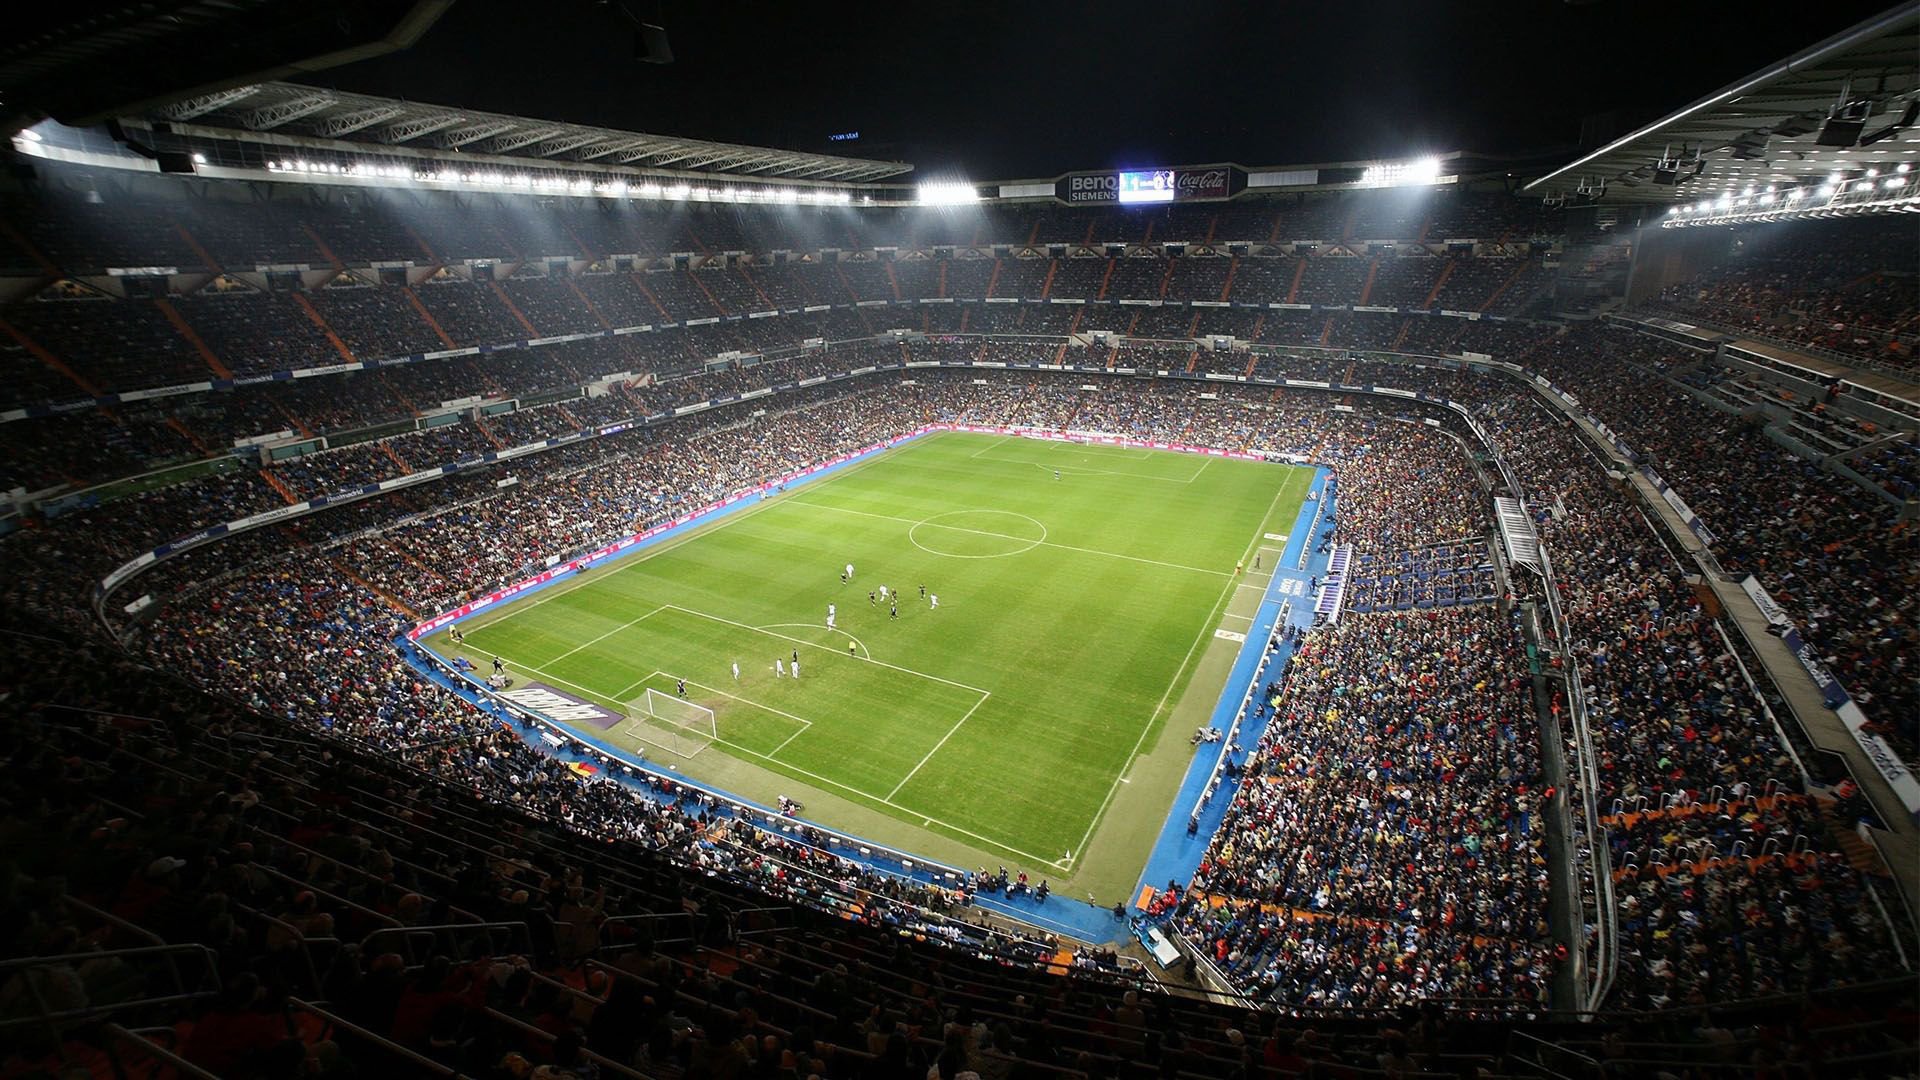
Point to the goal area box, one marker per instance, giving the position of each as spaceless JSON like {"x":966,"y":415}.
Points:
{"x":675,"y":725}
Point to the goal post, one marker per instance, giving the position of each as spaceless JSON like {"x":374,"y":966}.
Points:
{"x":697,"y":719}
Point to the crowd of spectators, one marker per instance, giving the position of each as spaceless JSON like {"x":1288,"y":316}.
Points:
{"x":1386,"y":844}
{"x":1677,"y":725}
{"x":1852,"y":286}
{"x":1836,"y":555}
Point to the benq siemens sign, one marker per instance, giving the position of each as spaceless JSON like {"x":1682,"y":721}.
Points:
{"x":1148,"y":185}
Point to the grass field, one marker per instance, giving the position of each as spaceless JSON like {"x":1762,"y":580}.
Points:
{"x":1073,"y":615}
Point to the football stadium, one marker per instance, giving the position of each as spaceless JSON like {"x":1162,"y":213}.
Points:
{"x":508,"y":577}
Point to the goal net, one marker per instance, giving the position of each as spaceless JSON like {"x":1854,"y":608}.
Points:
{"x":672,"y":724}
{"x":697,"y":719}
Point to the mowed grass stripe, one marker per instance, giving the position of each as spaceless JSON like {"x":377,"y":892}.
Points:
{"x":1073,"y":649}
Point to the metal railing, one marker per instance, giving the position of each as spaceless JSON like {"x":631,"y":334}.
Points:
{"x":155,"y":975}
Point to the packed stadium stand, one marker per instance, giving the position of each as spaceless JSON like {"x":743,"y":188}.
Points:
{"x":1583,"y":757}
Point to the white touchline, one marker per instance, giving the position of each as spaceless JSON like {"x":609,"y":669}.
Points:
{"x":1153,"y":717}
{"x":938,"y":745}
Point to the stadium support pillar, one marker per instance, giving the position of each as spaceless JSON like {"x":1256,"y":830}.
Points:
{"x":847,"y":284}
{"x":186,"y":433}
{"x":1519,"y":269}
{"x":1046,"y":287}
{"x":588,"y":304}
{"x":421,"y":242}
{"x":179,"y":322}
{"x":1106,"y":279}
{"x":1326,"y":332}
{"x":411,"y":614}
{"x":1373,"y":271}
{"x":300,"y":300}
{"x":718,"y":307}
{"x":33,"y":347}
{"x":514,"y":309}
{"x":279,"y":486}
{"x":293,"y":421}
{"x":40,"y":259}
{"x":1226,"y":288}
{"x":412,"y":409}
{"x":993,"y":279}
{"x":496,"y":440}
{"x":651,"y":298}
{"x":193,"y":244}
{"x":943,"y":279}
{"x":320,"y":245}
{"x":1438,"y":284}
{"x":1166,"y":276}
{"x":767,"y":300}
{"x":1299,"y":271}
{"x":893,"y":283}
{"x":414,"y":298}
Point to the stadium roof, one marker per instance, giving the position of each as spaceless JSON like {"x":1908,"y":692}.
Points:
{"x":375,"y":122}
{"x":84,"y":63}
{"x":1767,"y":128}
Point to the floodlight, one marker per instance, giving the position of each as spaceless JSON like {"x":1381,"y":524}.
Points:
{"x":946,"y":193}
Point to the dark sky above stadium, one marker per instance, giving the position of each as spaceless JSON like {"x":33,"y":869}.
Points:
{"x":1003,"y":90}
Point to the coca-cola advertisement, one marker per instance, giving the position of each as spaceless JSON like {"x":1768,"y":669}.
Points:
{"x":1212,"y":182}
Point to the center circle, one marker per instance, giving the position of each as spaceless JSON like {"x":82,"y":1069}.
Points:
{"x":977,"y":534}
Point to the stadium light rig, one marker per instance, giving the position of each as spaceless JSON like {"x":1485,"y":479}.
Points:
{"x":1838,"y":197}
{"x":496,"y":180}
{"x":1422,"y":172}
{"x":946,"y":193}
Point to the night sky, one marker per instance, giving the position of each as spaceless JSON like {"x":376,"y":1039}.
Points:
{"x":1005,"y":90}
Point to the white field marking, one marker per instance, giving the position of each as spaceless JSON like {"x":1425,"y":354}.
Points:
{"x":608,"y":634}
{"x":1242,"y":618}
{"x":1082,"y":470}
{"x":1004,"y":536}
{"x":1037,"y":860}
{"x":1203,"y":635}
{"x":804,"y":723}
{"x":622,"y":695}
{"x":821,"y":626}
{"x":936,"y":746}
{"x":933,"y":523}
{"x":826,"y":648}
{"x":988,"y":447}
{"x":521,"y":606}
{"x":1204,"y":462}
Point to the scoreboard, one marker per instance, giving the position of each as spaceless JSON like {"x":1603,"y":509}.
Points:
{"x":1137,"y":186}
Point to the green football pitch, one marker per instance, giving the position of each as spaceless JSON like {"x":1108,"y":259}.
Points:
{"x":1079,"y":590}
